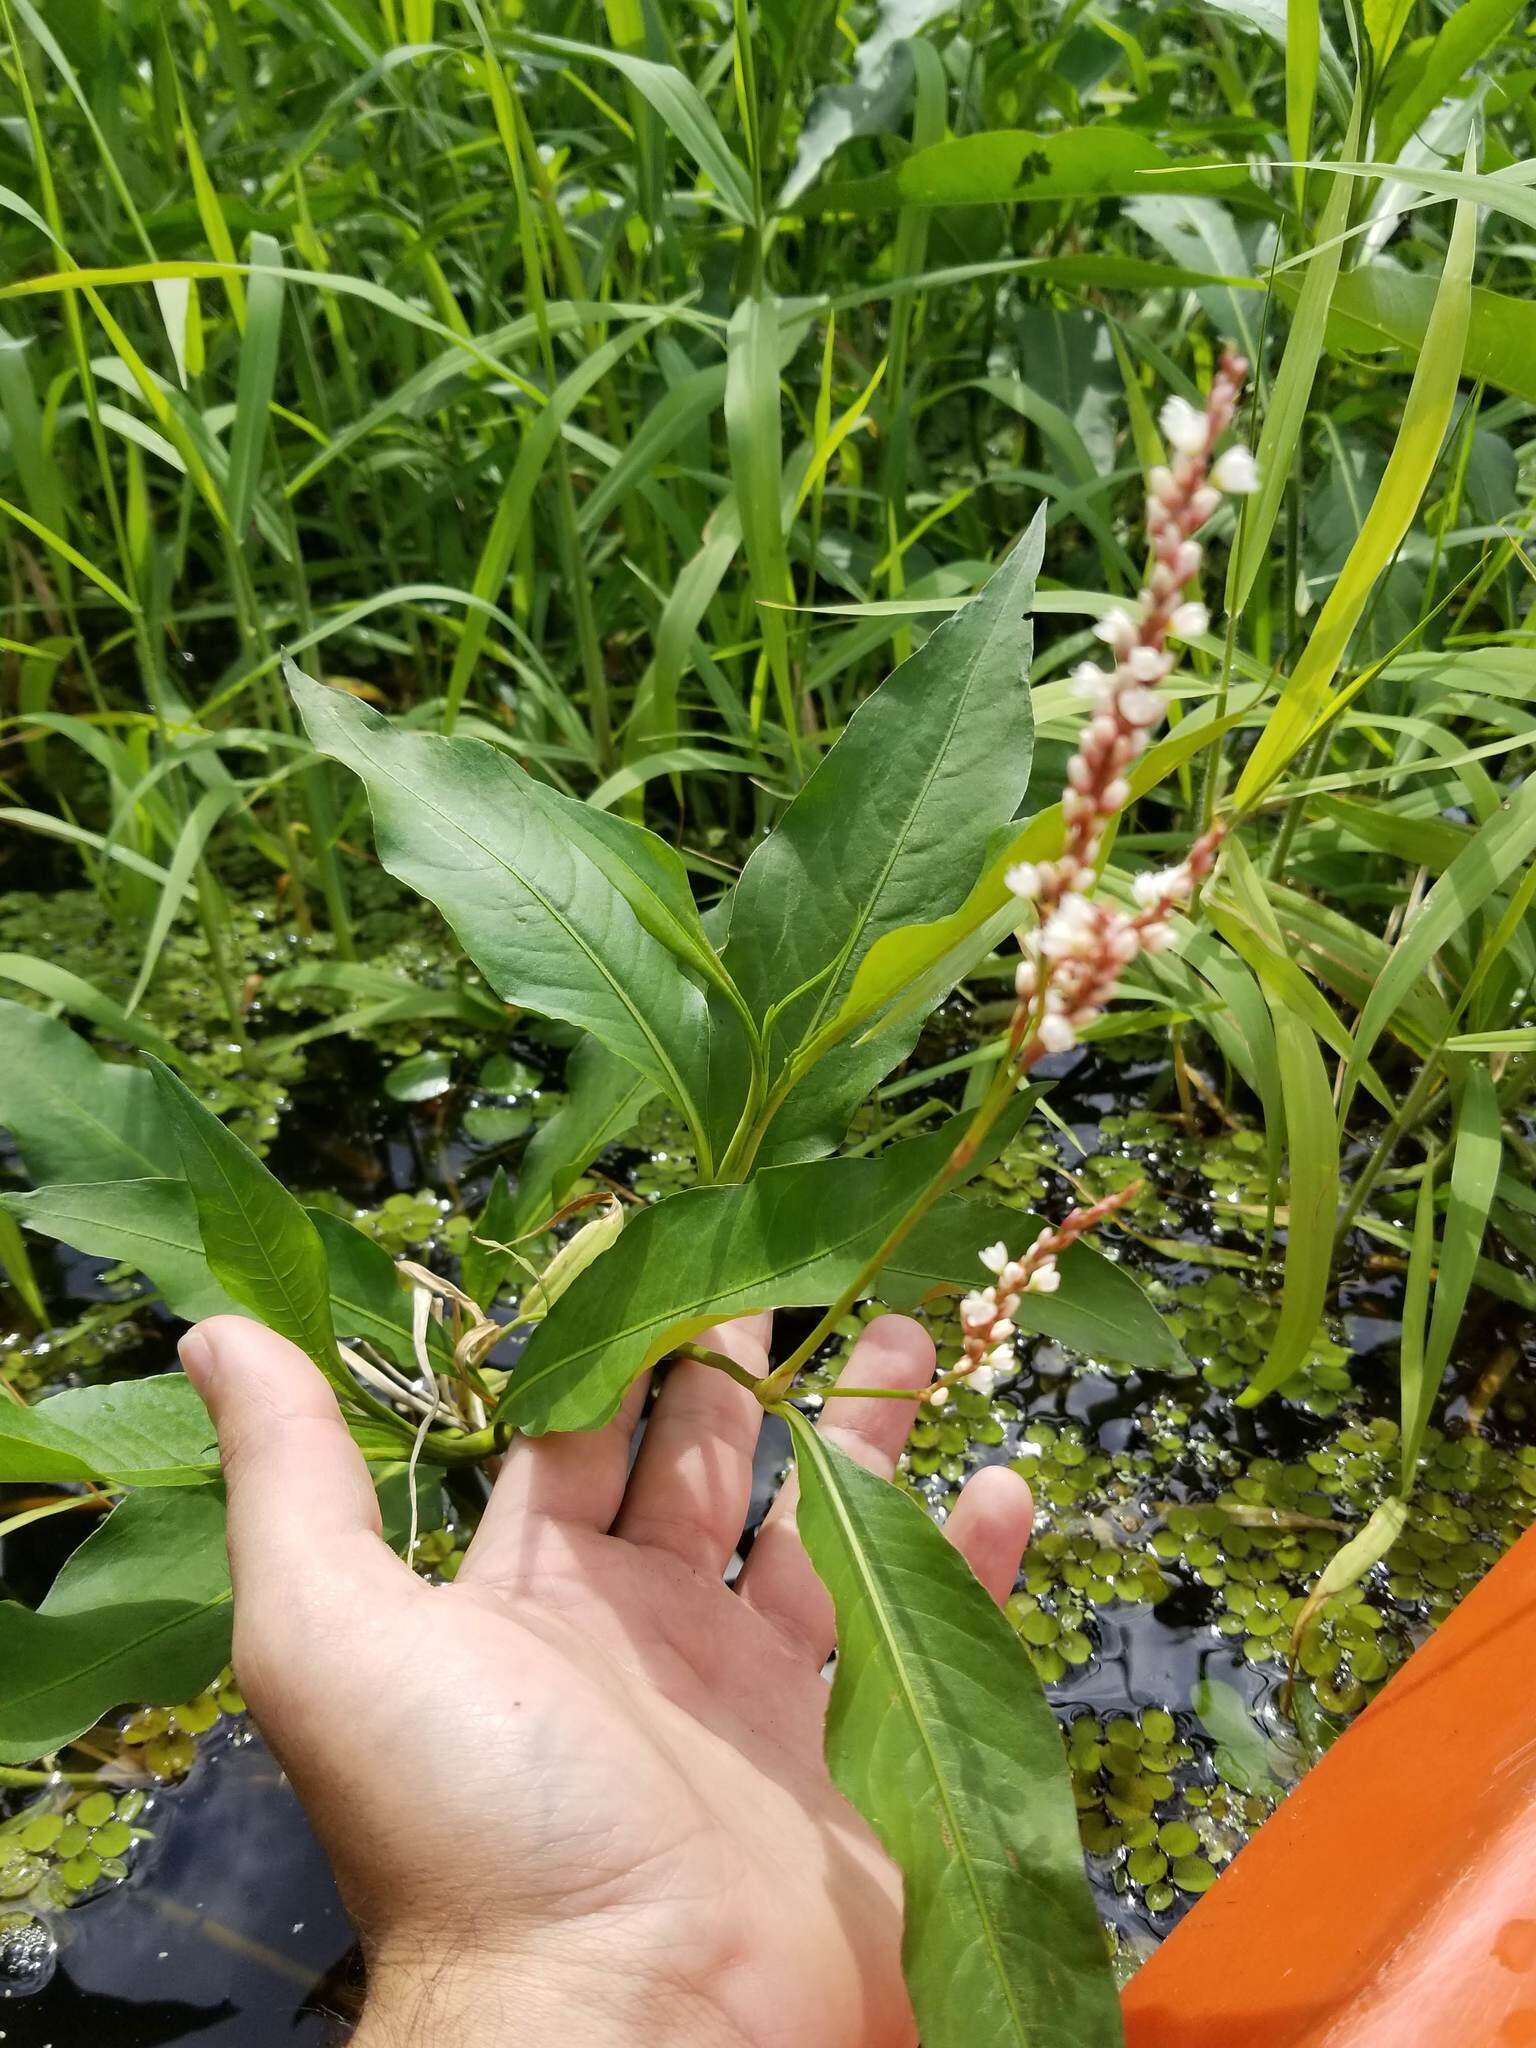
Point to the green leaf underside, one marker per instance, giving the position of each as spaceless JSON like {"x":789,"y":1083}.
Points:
{"x":152,"y":1432}
{"x":141,"y":1612}
{"x":891,"y":828}
{"x":939,"y":1734}
{"x":261,"y":1247}
{"x":460,"y":823}
{"x":152,"y":1225}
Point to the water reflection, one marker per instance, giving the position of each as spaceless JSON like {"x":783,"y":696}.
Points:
{"x":228,"y":1933}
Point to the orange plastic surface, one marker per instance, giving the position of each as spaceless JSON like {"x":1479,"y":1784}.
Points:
{"x":1391,"y":1900}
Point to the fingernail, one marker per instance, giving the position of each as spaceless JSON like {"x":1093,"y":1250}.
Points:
{"x":196,"y":1354}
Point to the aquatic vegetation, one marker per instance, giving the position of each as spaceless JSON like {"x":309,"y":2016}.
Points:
{"x":731,"y":944}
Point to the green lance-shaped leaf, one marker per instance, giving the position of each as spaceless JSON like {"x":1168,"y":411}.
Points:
{"x":460,"y":822}
{"x":999,"y":165}
{"x":76,"y":1117}
{"x":890,"y":830}
{"x":150,"y":1224}
{"x":1475,"y":1160}
{"x":792,"y":1236}
{"x":261,"y":1247}
{"x":1499,"y":850}
{"x":1350,"y":1563}
{"x":1100,"y":1309}
{"x":152,"y":1432}
{"x":484,"y":1267}
{"x":140,"y":1612}
{"x":1426,"y":415}
{"x":939,"y":1734}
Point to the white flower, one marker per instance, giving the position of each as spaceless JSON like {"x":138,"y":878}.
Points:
{"x":1189,"y":620}
{"x":1148,"y":664}
{"x":1183,"y":427}
{"x":1056,"y":1035}
{"x":939,"y":1398}
{"x":979,"y":1309}
{"x":1147,"y":888}
{"x":1090,"y":681}
{"x":1236,"y":471}
{"x":1045,"y":1279}
{"x":1023,"y":880}
{"x":1025,"y":980}
{"x":1140,"y":706}
{"x":1117,"y":629}
{"x":984,"y":1379}
{"x":994,"y":1256}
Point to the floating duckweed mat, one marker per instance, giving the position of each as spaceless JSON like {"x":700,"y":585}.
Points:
{"x":1176,"y":1536}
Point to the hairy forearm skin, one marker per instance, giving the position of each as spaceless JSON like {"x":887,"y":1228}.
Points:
{"x":449,"y":2001}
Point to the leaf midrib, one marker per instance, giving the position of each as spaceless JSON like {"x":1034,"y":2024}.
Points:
{"x":192,"y":1610}
{"x":610,"y":1338}
{"x":806,"y":1436}
{"x":684,"y":1097}
{"x":866,"y":914}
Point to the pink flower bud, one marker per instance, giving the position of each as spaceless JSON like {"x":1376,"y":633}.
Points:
{"x":1203,"y":504}
{"x":1117,"y":629}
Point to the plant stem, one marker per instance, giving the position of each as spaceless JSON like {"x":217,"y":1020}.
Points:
{"x":955,"y":1167}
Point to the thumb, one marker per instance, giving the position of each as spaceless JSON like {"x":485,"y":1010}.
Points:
{"x":302,"y":1508}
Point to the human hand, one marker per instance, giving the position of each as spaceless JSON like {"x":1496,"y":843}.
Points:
{"x":578,"y":1795}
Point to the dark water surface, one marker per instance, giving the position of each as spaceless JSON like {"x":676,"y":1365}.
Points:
{"x":228,"y":1931}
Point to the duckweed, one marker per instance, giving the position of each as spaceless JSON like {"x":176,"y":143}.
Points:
{"x":65,"y":1844}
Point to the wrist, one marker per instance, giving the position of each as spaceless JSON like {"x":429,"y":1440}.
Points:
{"x":436,"y":1994}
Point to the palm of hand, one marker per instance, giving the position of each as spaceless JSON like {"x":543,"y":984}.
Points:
{"x":589,"y":1748}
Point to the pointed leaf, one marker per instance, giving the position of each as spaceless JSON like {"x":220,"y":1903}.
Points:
{"x":1099,"y":1310}
{"x":261,"y":1247}
{"x":152,"y":1432}
{"x":459,"y":821}
{"x":894,"y":824}
{"x":74,"y":1116}
{"x":939,"y":1733}
{"x":792,"y":1236}
{"x":141,"y":1611}
{"x":148,"y":1224}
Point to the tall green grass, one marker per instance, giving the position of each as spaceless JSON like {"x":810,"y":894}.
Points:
{"x":632,"y":386}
